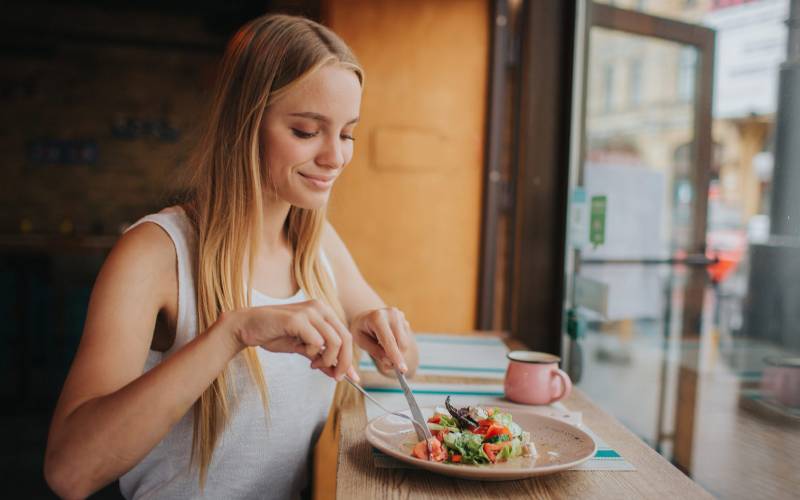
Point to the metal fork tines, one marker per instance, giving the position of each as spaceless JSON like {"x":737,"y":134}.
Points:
{"x":377,"y":403}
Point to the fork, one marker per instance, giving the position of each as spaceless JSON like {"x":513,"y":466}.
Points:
{"x":367,"y":395}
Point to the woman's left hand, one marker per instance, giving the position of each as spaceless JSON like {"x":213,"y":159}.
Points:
{"x":386,"y":335}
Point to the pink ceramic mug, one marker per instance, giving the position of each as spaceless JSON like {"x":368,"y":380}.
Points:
{"x":533,"y":378}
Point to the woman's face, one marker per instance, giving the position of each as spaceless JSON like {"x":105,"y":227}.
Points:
{"x":308,"y":135}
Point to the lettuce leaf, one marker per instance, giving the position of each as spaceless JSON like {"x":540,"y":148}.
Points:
{"x":512,"y":451}
{"x":502,"y":418}
{"x":506,"y":420}
{"x":468,"y":445}
{"x":447,"y":421}
{"x":498,"y":438}
{"x":437,"y":427}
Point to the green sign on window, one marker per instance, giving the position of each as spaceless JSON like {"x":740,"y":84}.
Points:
{"x":597,"y":224}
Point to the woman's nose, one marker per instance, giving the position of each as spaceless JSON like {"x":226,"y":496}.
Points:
{"x":331,"y":154}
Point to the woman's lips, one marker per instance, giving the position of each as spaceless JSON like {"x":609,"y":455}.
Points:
{"x":318,"y":181}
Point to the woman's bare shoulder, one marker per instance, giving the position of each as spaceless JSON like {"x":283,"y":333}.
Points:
{"x":146,"y":244}
{"x":144,"y":257}
{"x":135,"y":283}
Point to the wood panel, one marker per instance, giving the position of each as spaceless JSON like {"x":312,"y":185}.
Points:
{"x":409,"y":204}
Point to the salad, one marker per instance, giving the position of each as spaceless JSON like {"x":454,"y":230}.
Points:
{"x":473,"y":435}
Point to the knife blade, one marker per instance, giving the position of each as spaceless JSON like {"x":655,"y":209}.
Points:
{"x":423,"y":433}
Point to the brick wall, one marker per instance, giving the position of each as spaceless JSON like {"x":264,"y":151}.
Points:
{"x":133,"y":85}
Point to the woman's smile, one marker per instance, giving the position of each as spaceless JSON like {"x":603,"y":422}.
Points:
{"x":321,"y":182}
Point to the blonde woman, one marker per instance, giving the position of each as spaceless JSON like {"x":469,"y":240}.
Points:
{"x":217,"y":329}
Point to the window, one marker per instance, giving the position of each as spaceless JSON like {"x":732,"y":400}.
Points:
{"x":608,"y":87}
{"x":635,"y":89}
{"x":687,"y":60}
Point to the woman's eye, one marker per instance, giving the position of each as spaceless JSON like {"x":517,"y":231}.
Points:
{"x":303,"y":134}
{"x":348,"y":137}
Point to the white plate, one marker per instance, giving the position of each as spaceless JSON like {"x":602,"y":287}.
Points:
{"x":559,"y":446}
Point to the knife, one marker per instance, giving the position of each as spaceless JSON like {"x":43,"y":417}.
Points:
{"x":423,"y":433}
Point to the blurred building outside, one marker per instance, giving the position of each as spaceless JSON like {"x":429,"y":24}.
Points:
{"x":697,"y":399}
{"x":641,"y":117}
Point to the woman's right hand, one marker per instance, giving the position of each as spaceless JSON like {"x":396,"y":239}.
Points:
{"x":309,"y":328}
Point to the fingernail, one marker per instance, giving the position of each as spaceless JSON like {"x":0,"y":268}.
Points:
{"x":339,"y":377}
{"x":403,"y":367}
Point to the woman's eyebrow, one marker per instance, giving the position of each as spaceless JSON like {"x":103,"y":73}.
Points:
{"x":319,"y":117}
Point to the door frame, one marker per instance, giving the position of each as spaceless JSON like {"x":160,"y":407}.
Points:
{"x":495,"y":178}
{"x":540,"y":173}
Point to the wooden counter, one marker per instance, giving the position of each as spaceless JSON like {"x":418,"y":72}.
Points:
{"x":344,"y":466}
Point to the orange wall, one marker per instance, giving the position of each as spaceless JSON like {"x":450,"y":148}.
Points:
{"x":409,"y":204}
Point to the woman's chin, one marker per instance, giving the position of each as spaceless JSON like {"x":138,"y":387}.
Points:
{"x":312,"y":202}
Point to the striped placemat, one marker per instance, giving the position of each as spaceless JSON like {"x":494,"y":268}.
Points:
{"x":455,"y":355}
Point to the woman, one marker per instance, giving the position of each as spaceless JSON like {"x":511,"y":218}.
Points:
{"x":192,"y":378}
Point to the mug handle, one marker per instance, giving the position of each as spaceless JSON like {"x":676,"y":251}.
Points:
{"x":566,"y":384}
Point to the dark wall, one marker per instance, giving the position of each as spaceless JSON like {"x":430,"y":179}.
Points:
{"x":100,"y":105}
{"x":98,"y":114}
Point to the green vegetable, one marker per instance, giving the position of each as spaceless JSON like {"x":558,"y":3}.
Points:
{"x":468,"y":445}
{"x":505,"y":420}
{"x":447,"y":421}
{"x":437,"y":427}
{"x":502,"y":418}
{"x":512,"y":451}
{"x":498,"y":438}
{"x":460,"y":441}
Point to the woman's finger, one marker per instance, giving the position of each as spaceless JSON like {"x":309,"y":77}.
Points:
{"x":353,"y":374}
{"x":401,"y":335}
{"x":346,"y":349}
{"x":313,"y":342}
{"x":333,"y":343}
{"x":372,"y":347}
{"x":384,"y":365}
{"x":329,"y":371}
{"x":298,"y":347}
{"x":387,"y":341}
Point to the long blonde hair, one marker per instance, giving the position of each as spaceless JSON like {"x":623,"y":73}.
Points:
{"x":263,"y":59}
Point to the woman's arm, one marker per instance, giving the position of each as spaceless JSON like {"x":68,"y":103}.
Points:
{"x":109,"y":415}
{"x":391,"y":342}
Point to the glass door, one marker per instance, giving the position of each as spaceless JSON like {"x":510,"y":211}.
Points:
{"x":637,"y":268}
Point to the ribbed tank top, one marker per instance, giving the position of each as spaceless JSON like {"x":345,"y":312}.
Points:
{"x":255,"y":457}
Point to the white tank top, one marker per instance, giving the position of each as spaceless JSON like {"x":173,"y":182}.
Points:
{"x":254,"y":457}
